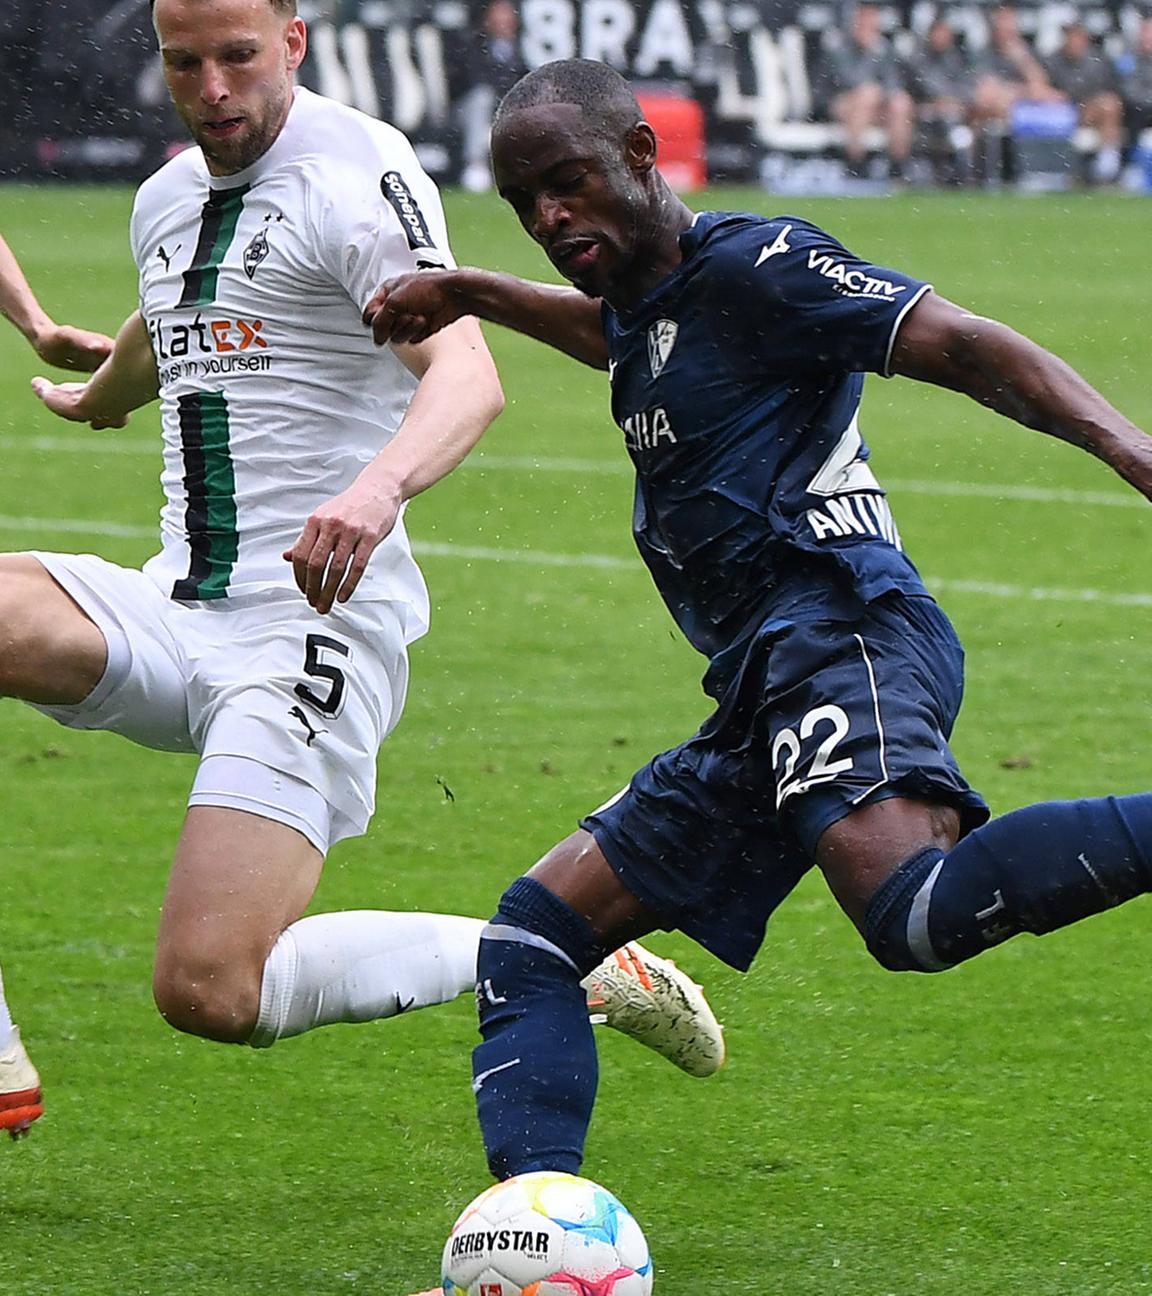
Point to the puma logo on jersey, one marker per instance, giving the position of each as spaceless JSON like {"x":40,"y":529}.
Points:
{"x":166,"y":257}
{"x":780,"y":245}
{"x":298,"y":713}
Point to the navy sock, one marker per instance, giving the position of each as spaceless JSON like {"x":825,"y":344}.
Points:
{"x":1033,"y":870}
{"x":536,"y":1071}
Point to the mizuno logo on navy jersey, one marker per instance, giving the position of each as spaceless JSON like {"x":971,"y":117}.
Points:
{"x":850,"y":281}
{"x":780,"y":245}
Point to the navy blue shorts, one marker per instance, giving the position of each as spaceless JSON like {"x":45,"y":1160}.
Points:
{"x":822,"y":717}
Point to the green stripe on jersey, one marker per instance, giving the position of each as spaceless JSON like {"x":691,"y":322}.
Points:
{"x":210,"y":488}
{"x":218,"y":220}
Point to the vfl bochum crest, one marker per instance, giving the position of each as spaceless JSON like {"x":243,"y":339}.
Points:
{"x":661,"y":340}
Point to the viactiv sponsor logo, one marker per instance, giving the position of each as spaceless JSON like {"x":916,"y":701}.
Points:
{"x":850,"y":280}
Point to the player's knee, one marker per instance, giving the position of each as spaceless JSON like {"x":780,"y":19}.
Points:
{"x":534,"y":933}
{"x":208,"y":998}
{"x":896,"y":925}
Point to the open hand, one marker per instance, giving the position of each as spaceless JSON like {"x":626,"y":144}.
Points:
{"x":331,"y":553}
{"x":69,"y":400}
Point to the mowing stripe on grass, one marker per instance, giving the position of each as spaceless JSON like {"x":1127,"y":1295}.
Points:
{"x":99,"y":444}
{"x":610,"y":562}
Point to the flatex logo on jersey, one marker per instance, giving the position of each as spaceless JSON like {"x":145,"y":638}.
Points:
{"x":208,"y":347}
{"x":850,"y":281}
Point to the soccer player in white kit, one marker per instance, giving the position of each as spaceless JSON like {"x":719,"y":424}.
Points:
{"x":291,"y":445}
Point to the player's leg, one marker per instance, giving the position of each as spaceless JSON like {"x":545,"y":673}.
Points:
{"x":535,"y":1073}
{"x":235,"y":961}
{"x":924,"y":904}
{"x":690,"y":843}
{"x":20,"y":1099}
{"x":50,"y":652}
{"x":263,"y":974}
{"x":904,"y":843}
{"x":309,"y":710}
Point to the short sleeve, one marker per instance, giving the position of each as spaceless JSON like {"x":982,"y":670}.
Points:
{"x":384,"y":219}
{"x":807,"y":304}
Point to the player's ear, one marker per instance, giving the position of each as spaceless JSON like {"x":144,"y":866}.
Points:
{"x":641,"y":148}
{"x":296,"y":38}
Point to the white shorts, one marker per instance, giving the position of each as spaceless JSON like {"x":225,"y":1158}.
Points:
{"x":271,"y":681}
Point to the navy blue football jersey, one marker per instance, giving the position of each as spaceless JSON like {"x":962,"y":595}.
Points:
{"x":737,"y":385}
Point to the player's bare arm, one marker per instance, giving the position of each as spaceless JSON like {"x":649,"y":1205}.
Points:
{"x":941,"y":343}
{"x":56,"y":344}
{"x":126,"y":380}
{"x":439,"y":429}
{"x":412,"y":307}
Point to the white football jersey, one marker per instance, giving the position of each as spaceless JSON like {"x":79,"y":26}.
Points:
{"x":273,"y":395}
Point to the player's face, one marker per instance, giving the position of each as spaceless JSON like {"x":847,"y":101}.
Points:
{"x":229,"y":66}
{"x":576,"y":195}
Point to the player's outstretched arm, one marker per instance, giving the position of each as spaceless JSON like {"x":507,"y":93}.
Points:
{"x":941,"y":343}
{"x":458,"y":397}
{"x":414,"y":306}
{"x":56,"y":344}
{"x":126,"y":380}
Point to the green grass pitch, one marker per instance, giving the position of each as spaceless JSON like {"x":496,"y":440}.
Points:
{"x":975,"y":1134}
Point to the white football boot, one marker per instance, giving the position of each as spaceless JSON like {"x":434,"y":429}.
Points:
{"x":20,"y":1102}
{"x":650,"y":999}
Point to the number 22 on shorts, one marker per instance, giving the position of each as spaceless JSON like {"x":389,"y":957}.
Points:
{"x":825,"y":727}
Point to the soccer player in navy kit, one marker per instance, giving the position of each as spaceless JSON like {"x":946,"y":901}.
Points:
{"x":736,"y":348}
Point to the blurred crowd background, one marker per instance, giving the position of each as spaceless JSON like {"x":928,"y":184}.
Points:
{"x":797,"y":97}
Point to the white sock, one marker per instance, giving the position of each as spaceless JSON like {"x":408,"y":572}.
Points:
{"x":363,"y":964}
{"x":6,"y":1024}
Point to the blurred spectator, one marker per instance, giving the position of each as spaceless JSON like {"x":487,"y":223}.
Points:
{"x":1006,"y":71}
{"x":863,"y":84}
{"x":939,"y":78}
{"x":494,"y":66}
{"x":1084,"y":75}
{"x":1135,"y":79}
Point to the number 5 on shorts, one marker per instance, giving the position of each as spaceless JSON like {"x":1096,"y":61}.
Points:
{"x":787,"y":748}
{"x":318,"y":668}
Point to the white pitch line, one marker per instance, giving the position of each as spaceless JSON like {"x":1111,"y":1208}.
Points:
{"x":99,"y":444}
{"x":608,"y":562}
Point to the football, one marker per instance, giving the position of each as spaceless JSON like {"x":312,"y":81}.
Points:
{"x":546,"y":1234}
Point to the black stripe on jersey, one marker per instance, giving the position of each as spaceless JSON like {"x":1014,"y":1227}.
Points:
{"x":218,"y":219}
{"x":395,"y":189}
{"x":210,"y":496}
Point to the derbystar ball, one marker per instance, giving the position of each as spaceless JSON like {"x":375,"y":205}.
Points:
{"x":546,"y":1234}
